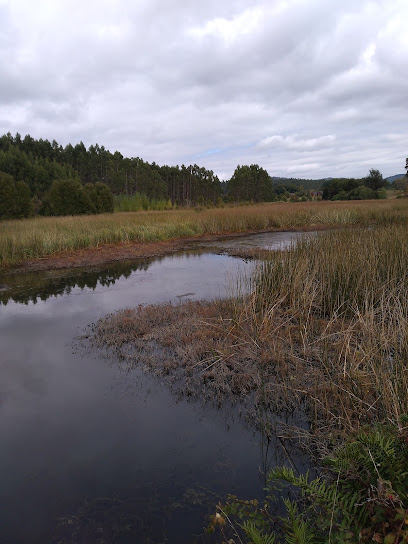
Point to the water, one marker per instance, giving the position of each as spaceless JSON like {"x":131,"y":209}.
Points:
{"x":265,"y":240}
{"x":90,"y":453}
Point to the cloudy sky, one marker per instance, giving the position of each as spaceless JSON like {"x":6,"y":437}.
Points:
{"x":304,"y":88}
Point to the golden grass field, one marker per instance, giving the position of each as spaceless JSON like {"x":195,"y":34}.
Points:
{"x":21,"y":240}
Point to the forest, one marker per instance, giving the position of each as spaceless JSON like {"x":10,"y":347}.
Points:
{"x":39,"y":177}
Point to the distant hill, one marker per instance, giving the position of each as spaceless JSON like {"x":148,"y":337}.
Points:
{"x":307,"y":184}
{"x":317,"y":184}
{"x":391,"y":179}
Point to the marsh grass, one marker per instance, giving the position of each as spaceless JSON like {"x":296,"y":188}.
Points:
{"x":334,"y":312}
{"x":182,"y":342}
{"x":21,"y":240}
{"x":345,"y":298}
{"x":325,"y":325}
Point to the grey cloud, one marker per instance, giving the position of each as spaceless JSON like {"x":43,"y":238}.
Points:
{"x":296,"y":142}
{"x":294,"y":86}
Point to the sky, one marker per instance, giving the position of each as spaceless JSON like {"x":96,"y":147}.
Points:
{"x":304,"y":88}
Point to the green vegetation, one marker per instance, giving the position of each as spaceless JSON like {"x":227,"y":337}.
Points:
{"x":139,"y":202}
{"x":371,"y":187}
{"x":38,"y":237}
{"x":250,"y":183}
{"x":69,"y":197}
{"x":140,"y":185}
{"x":14,"y":198}
{"x":65,"y":197}
{"x":40,"y":163}
{"x":363,"y":498}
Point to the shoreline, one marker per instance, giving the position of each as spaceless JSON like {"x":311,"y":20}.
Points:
{"x":127,"y":251}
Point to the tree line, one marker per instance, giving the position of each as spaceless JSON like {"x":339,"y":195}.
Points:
{"x":370,"y":187}
{"x":43,"y":166}
{"x":42,"y":177}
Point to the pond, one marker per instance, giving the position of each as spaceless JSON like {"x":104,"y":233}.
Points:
{"x":95,"y":454}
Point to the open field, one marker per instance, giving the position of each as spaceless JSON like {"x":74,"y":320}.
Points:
{"x":23,"y":240}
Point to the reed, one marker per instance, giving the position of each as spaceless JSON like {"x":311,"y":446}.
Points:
{"x":39,"y":237}
{"x":335,"y":310}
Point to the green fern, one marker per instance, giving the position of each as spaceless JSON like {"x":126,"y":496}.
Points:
{"x":256,"y":536}
{"x":363,"y":498}
{"x":297,"y":530}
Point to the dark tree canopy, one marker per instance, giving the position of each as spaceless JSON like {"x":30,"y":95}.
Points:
{"x":374,"y":180}
{"x":15,"y":200}
{"x":68,"y":197}
{"x":39,"y":163}
{"x":250,"y":183}
{"x":370,"y":187}
{"x":50,"y":179}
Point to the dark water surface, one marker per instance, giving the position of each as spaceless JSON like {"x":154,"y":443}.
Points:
{"x":90,"y":453}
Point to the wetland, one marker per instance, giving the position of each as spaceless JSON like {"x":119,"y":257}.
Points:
{"x":96,"y":450}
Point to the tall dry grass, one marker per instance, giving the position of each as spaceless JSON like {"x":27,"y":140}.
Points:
{"x":332,"y":312}
{"x":32,"y":238}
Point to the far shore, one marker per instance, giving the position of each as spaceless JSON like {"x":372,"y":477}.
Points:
{"x":126,"y":251}
{"x":50,"y":243}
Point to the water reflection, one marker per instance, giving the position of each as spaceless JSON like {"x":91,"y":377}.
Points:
{"x":36,"y":286}
{"x":39,"y":286}
{"x":93,"y":453}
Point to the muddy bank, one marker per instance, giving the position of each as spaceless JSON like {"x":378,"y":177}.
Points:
{"x":111,"y":253}
{"x":216,"y":352}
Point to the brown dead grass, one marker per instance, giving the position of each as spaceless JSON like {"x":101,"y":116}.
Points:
{"x":206,"y":351}
{"x":184,"y":341}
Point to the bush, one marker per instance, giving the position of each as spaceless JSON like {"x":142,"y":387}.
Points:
{"x":138,"y":202}
{"x":69,"y":197}
{"x":101,"y":197}
{"x":15,"y":201}
{"x":8,"y":196}
{"x":363,"y":193}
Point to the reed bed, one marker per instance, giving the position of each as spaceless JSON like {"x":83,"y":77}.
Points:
{"x":333,"y":312}
{"x":21,"y":240}
{"x":325,"y":325}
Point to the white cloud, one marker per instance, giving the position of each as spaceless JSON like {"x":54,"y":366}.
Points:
{"x":261,"y":82}
{"x":308,"y":168}
{"x":297,"y":142}
{"x":230,"y":30}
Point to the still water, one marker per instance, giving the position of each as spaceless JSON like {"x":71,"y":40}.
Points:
{"x":93,"y":454}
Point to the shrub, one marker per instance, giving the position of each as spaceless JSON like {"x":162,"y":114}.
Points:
{"x":363,"y":498}
{"x":8,"y":196}
{"x":101,"y":197}
{"x":15,"y":201}
{"x":68,"y":197}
